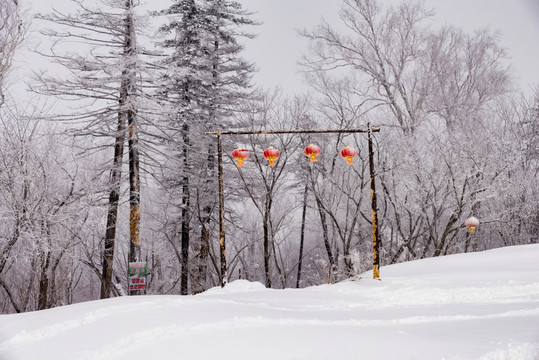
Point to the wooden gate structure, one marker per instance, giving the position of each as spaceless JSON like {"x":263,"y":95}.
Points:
{"x":222,"y":243}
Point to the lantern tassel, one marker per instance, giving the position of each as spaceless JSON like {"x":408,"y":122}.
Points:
{"x":349,"y":160}
{"x":471,"y":229}
{"x":313,"y":158}
{"x":272,"y":162}
{"x":240,"y":162}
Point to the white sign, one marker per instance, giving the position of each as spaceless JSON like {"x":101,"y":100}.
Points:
{"x":137,"y":283}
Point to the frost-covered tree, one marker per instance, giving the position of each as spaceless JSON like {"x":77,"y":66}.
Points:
{"x":265,"y":187}
{"x":102,"y":76}
{"x":44,"y":215}
{"x":204,"y":77}
{"x":434,"y":92}
{"x":12,"y":31}
{"x":516,"y":208}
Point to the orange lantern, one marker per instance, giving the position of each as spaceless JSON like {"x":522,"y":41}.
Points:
{"x":471,"y":223}
{"x":240,"y":154}
{"x":271,"y":154}
{"x":312,"y":151}
{"x":348,"y":153}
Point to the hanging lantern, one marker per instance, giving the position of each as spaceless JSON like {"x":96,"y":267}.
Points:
{"x":271,"y":154}
{"x":471,"y":223}
{"x":313,"y":151}
{"x":240,"y":154}
{"x":348,"y":153}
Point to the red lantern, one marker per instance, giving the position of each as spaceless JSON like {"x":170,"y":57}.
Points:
{"x":271,"y":154}
{"x":471,"y":223}
{"x":312,"y":151}
{"x":240,"y":154}
{"x":348,"y":153}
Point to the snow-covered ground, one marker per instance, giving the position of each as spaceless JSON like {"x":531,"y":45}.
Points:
{"x":470,"y":306}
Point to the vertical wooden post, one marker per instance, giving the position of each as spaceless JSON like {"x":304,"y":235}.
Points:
{"x":134,"y":189}
{"x":129,"y":85}
{"x":375,"y":235}
{"x":222,"y":244}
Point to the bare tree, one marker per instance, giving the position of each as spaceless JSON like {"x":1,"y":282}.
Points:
{"x":426,"y":87}
{"x":41,"y":213}
{"x":105,"y":76}
{"x":12,"y":31}
{"x":383,"y":47}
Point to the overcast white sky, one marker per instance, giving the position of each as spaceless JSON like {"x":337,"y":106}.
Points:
{"x":277,"y":47}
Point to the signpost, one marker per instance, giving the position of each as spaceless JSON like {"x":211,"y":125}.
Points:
{"x":137,"y":277}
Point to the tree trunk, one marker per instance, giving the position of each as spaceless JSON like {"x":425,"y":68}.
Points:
{"x":112,"y":213}
{"x":302,"y":234}
{"x":206,"y":202}
{"x":126,"y":111}
{"x":204,"y":250}
{"x":186,"y":204}
{"x":129,"y":83}
{"x":447,"y":231}
{"x":134,"y":188}
{"x":323,"y":222}
{"x":43,"y":279}
{"x":267,"y":240}
{"x":205,"y":219}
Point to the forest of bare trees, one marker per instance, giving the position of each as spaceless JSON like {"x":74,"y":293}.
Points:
{"x":121,"y":167}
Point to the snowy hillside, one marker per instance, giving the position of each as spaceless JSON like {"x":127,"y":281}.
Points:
{"x":470,"y":306}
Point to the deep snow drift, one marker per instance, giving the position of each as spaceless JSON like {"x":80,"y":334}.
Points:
{"x":470,"y":306}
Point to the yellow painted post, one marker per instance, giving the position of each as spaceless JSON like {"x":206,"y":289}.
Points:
{"x":375,"y":233}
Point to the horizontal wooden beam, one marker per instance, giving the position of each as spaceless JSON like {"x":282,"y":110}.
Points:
{"x":271,"y":132}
